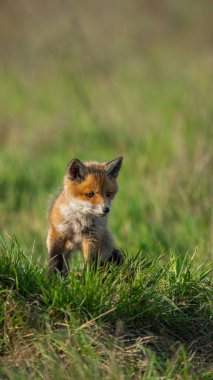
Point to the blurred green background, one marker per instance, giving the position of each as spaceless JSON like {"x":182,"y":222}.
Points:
{"x":96,"y":80}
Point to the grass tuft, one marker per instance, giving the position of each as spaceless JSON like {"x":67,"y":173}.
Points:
{"x":154,"y":316}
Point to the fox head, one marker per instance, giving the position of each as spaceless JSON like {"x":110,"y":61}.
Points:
{"x":90,"y":187}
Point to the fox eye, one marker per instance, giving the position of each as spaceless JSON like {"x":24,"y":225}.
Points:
{"x":108,"y":194}
{"x":90,"y":195}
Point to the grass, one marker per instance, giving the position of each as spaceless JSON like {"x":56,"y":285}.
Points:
{"x":96,"y":82}
{"x":144,"y":319}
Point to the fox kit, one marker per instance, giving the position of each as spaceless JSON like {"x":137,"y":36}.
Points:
{"x":78,"y":217}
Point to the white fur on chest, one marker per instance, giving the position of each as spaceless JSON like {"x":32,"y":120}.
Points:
{"x":72,"y":219}
{"x":77,"y":217}
{"x":72,"y":225}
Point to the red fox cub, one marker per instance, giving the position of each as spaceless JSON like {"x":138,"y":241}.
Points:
{"x":78,"y":217}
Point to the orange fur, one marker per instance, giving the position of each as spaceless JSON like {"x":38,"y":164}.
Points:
{"x":96,"y":183}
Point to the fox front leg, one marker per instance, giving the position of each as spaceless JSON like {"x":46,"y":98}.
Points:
{"x":55,"y":258}
{"x":59,"y":259}
{"x":91,"y":250}
{"x":94,"y":251}
{"x":58,"y":255}
{"x":116,"y":257}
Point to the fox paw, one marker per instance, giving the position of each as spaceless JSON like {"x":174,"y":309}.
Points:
{"x":116,"y":257}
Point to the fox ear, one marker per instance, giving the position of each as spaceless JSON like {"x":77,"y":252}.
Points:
{"x":77,"y":171}
{"x":113,"y":167}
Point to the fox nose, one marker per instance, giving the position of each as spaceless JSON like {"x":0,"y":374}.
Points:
{"x":105,"y":209}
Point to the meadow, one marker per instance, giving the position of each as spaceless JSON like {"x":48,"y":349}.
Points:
{"x":95,"y":81}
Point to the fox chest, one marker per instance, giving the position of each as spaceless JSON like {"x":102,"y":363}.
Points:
{"x":75,"y":226}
